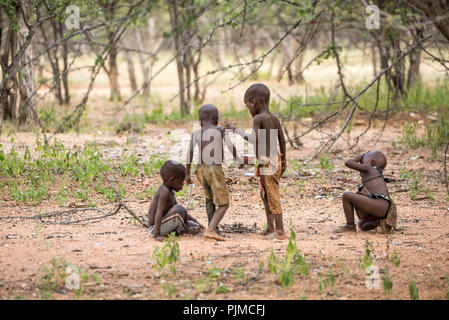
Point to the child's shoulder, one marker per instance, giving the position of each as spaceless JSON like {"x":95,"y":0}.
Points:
{"x":163,"y":189}
{"x":266,"y":118}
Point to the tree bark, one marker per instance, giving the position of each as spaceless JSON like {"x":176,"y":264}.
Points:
{"x":26,"y":79}
{"x":113,"y":73}
{"x":145,"y":69}
{"x":174,"y":17}
{"x":415,"y":61}
{"x":131,"y":71}
{"x":436,"y":11}
{"x":65,"y":59}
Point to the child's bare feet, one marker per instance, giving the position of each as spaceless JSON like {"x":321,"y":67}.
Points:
{"x":346,"y":228}
{"x":366,"y":225}
{"x":268,"y":232}
{"x":214,"y":236}
{"x":280,"y":235}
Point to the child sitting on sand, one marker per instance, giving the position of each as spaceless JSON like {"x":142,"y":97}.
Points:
{"x":372,"y":203}
{"x":164,"y":214}
{"x":267,"y":132}
{"x":209,"y":171}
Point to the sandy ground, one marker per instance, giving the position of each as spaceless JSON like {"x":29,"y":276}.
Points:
{"x":120,"y":251}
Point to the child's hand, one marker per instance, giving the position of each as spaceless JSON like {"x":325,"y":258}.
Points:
{"x":188,"y":179}
{"x":358,"y":158}
{"x":284,"y":167}
{"x":228,"y":126}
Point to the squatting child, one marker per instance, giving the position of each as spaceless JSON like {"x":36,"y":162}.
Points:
{"x":372,"y":202}
{"x":164,"y":214}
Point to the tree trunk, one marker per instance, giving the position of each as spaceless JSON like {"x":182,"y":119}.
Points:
{"x":174,"y":18}
{"x":435,"y":10}
{"x":399,"y":70}
{"x":415,"y":61}
{"x":131,"y":71}
{"x":145,"y":70}
{"x":113,"y":73}
{"x":374,"y":59}
{"x":26,"y":79}
{"x":65,"y":59}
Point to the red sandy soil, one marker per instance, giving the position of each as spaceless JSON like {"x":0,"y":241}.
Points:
{"x":120,"y":251}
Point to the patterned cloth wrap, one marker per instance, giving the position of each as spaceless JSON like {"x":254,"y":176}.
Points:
{"x":170,"y":224}
{"x":213,"y":181}
{"x":269,"y":171}
{"x":387,"y":223}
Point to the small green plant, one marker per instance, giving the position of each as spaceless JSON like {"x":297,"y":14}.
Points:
{"x":212,"y":283}
{"x":170,"y":289}
{"x":154,"y":164}
{"x":167,"y":255}
{"x":367,"y":259}
{"x":61,"y":276}
{"x":446,"y":278}
{"x":240,"y":276}
{"x":436,"y":135}
{"x":414,"y":180}
{"x":412,"y":288}
{"x":299,"y":185}
{"x":328,"y":282}
{"x":272,"y":262}
{"x":129,"y":164}
{"x":387,"y":282}
{"x":221,"y":288}
{"x":54,"y":278}
{"x":409,"y":138}
{"x":47,"y":117}
{"x":293,"y":263}
{"x":395,"y":260}
{"x":326,"y":164}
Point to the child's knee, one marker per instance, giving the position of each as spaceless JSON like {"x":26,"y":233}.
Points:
{"x":225,"y":206}
{"x":180,"y":210}
{"x":347,"y":195}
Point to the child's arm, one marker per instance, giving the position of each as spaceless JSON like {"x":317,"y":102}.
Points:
{"x":189,"y":159}
{"x":189,"y":217}
{"x":249,"y":137}
{"x":257,"y":124}
{"x":160,"y":211}
{"x":232,"y":149}
{"x":283,"y":149}
{"x":354,"y":163}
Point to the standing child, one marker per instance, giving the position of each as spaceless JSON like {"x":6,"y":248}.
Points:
{"x":164,"y":214}
{"x":209,"y":172}
{"x":267,"y":132}
{"x":372,"y":203}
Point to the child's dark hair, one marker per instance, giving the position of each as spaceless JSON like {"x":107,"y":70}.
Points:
{"x":172,"y":169}
{"x":208,"y":112}
{"x":259,"y":92}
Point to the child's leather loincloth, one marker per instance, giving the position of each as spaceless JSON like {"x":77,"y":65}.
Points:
{"x":170,"y":224}
{"x":213,"y":181}
{"x":270,"y":175}
{"x":388,"y":222}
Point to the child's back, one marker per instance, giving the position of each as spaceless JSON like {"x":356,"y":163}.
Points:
{"x":268,"y":132}
{"x":209,"y":172}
